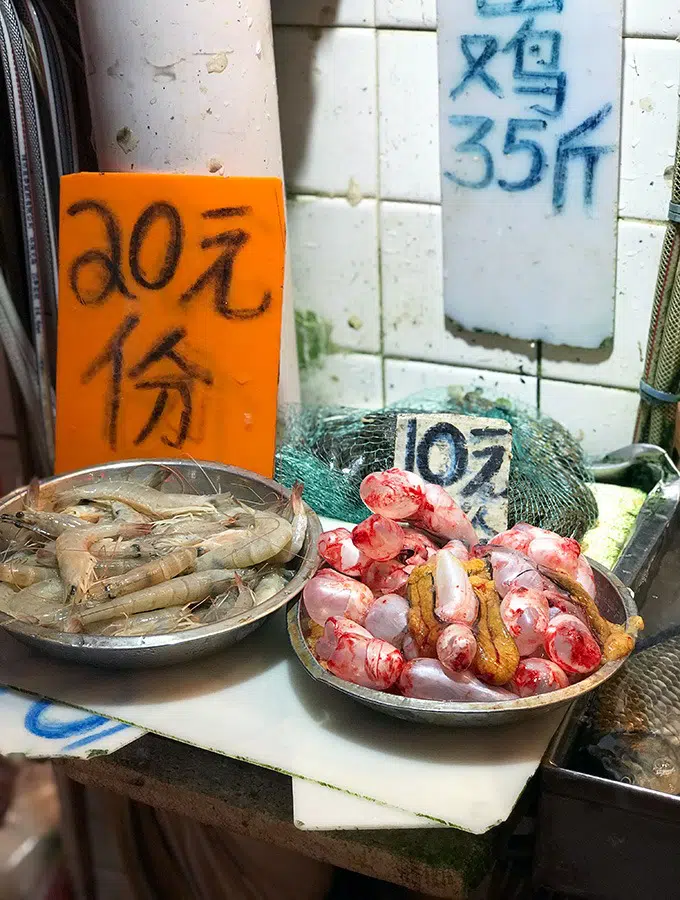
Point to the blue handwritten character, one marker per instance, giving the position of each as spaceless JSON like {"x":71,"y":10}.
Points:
{"x":517,"y":7}
{"x":537,"y":66}
{"x":567,"y":149}
{"x":41,"y":722}
{"x":477,"y":64}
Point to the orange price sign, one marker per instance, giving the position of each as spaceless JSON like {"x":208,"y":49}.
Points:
{"x":170,"y":295}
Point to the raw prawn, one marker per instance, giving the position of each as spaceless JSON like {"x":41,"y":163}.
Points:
{"x":144,"y":499}
{"x":294,"y":512}
{"x":21,"y":575}
{"x":268,"y":586}
{"x":76,"y":562}
{"x":538,"y":676}
{"x":239,"y":548}
{"x":151,"y":573}
{"x":426,"y":679}
{"x":330,"y":594}
{"x":40,"y":604}
{"x":338,"y":549}
{"x":456,"y":648}
{"x":46,"y":522}
{"x":182,"y":591}
{"x":387,"y":619}
{"x":394,"y":493}
{"x":158,"y":621}
{"x":368,"y":662}
{"x":526,"y":614}
{"x":440,"y":514}
{"x":455,"y":599}
{"x":379,"y":538}
{"x":570,"y":644}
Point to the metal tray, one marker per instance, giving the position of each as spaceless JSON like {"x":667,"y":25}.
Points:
{"x":615,"y":602}
{"x":166,"y":649}
{"x":599,"y":838}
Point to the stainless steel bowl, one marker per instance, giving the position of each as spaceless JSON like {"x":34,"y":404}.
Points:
{"x":615,"y":601}
{"x":166,"y":649}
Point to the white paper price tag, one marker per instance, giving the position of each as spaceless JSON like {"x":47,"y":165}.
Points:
{"x":469,"y":456}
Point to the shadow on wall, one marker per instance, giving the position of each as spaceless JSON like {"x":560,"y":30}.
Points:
{"x":298,"y":74}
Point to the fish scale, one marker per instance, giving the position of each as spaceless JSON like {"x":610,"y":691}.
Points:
{"x":635,"y":717}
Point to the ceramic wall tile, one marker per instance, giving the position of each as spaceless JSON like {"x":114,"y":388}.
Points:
{"x":346,"y":379}
{"x":404,"y":377}
{"x":601,"y":418}
{"x":323,"y":12}
{"x":408,"y":105}
{"x":413,"y":305}
{"x":334,"y":263}
{"x":649,"y":126}
{"x":406,"y":13}
{"x":652,"y":18}
{"x":620,"y":364}
{"x":327,"y":100}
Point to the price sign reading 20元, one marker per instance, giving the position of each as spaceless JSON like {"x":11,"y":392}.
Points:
{"x":169,"y":318}
{"x":467,"y":455}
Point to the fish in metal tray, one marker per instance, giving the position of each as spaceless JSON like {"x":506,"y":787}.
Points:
{"x":634,"y":719}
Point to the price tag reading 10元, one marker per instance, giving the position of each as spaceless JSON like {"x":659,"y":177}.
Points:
{"x":469,"y":456}
{"x":169,"y":318}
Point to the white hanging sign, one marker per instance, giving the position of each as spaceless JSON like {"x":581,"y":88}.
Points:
{"x":529,"y":124}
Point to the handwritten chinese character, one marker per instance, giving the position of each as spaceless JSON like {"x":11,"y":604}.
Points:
{"x":165,"y":348}
{"x":476,"y":69}
{"x":112,"y":354}
{"x":517,"y":7}
{"x":590,"y":154}
{"x":219,"y":274}
{"x":183,"y":383}
{"x":537,"y":66}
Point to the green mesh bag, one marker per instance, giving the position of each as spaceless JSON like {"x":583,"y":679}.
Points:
{"x":331,"y":449}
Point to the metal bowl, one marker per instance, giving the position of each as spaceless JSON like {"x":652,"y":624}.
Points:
{"x":615,"y":602}
{"x":184,"y":646}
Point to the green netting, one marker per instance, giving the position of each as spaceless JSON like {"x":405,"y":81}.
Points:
{"x":331,"y":449}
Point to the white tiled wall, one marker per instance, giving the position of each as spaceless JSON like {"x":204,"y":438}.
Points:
{"x":358,"y":95}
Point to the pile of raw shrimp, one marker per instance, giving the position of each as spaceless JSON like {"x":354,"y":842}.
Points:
{"x":123,"y":558}
{"x":412,"y":603}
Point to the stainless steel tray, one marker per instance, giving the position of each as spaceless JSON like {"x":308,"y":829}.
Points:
{"x":615,"y":601}
{"x":165,"y":649}
{"x":600,"y":838}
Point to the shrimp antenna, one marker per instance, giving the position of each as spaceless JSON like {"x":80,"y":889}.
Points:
{"x":205,"y":474}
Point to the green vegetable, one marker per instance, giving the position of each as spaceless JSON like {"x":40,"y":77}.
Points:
{"x":618,"y":510}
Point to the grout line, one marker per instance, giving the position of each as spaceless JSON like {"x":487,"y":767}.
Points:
{"x":539,"y":375}
{"x":419,"y":29}
{"x":295,"y":195}
{"x":378,"y":181}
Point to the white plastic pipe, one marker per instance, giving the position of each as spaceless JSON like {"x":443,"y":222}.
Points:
{"x":187,"y":86}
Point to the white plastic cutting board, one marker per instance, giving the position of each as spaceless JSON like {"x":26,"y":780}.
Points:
{"x":254,"y":702}
{"x":529,"y":135}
